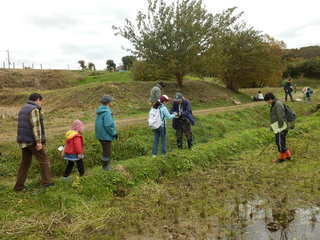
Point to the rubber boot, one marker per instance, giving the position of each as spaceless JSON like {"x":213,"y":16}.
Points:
{"x":190,"y":144}
{"x":287,"y":155}
{"x":281,"y":158}
{"x":179,"y":144}
{"x":106,"y":165}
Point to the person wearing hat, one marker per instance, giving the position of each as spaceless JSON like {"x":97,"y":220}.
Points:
{"x":278,"y":116}
{"x":183,"y":121}
{"x":161,"y":132}
{"x":105,"y":129}
{"x":155,"y":92}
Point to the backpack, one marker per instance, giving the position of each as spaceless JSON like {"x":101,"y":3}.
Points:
{"x":154,"y":120}
{"x":290,"y":116}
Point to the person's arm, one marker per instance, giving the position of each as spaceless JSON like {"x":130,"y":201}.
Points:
{"x":36,"y":128}
{"x":109,"y":124}
{"x":166,"y":114}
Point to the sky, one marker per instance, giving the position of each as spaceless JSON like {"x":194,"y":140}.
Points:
{"x":58,"y":33}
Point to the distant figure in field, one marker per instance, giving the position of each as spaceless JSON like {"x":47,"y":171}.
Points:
{"x":279,"y":126}
{"x":288,"y":89}
{"x":32,"y":138}
{"x":160,"y":124}
{"x":74,"y":149}
{"x":259,"y":97}
{"x":307,"y":93}
{"x":155,"y":92}
{"x":183,"y":121}
{"x":106,"y":130}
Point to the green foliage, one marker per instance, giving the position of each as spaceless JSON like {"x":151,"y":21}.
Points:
{"x":246,"y":58}
{"x":308,"y":68}
{"x":172,"y":36}
{"x":91,"y":66}
{"x":304,"y":53}
{"x":82,"y":65}
{"x":144,"y":71}
{"x":111,"y":66}
{"x":128,"y":61}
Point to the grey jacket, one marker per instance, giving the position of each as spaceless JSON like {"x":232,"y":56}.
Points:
{"x":277,"y":113}
{"x":155,"y":93}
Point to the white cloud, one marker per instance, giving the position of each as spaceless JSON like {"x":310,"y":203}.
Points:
{"x":59,"y":33}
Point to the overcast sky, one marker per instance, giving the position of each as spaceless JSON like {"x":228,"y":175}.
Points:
{"x":58,"y":33}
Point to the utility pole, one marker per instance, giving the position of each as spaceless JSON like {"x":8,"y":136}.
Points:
{"x":8,"y":59}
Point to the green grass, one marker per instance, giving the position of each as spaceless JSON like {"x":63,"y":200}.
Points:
{"x":146,"y":194}
{"x":102,"y":77}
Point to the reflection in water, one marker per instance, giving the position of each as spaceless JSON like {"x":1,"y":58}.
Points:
{"x":254,"y":220}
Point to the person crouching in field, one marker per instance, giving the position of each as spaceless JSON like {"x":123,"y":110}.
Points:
{"x":183,"y":121}
{"x":74,"y":149}
{"x":279,"y":126}
{"x":106,"y":130}
{"x":31,"y":138}
{"x":161,"y":132}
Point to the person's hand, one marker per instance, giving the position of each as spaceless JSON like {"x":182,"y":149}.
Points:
{"x":80,"y":156}
{"x":39,"y":146}
{"x":115,"y":137}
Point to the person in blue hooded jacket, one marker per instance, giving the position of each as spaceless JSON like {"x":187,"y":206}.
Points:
{"x":183,"y":121}
{"x":106,"y":130}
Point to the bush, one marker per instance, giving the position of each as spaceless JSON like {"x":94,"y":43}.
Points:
{"x":144,"y":71}
{"x":308,"y":68}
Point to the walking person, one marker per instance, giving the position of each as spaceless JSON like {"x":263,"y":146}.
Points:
{"x":183,"y":121}
{"x":74,"y":149}
{"x":161,"y":132}
{"x":288,"y":89}
{"x":31,"y":138}
{"x":279,"y":125}
{"x":155,"y":93}
{"x":106,"y":130}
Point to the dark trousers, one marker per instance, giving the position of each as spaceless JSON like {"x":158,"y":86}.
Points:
{"x":183,"y":127}
{"x":70,"y":166}
{"x":281,"y":141}
{"x":106,"y":150}
{"x":25,"y":164}
{"x":287,"y":93}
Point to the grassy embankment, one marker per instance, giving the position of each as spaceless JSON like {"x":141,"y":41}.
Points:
{"x":143,"y":197}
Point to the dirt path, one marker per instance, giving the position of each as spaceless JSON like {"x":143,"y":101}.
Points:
{"x":123,"y":123}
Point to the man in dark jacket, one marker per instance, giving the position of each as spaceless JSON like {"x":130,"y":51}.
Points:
{"x":278,"y":117}
{"x":31,"y":138}
{"x":288,"y":89}
{"x":182,"y":123}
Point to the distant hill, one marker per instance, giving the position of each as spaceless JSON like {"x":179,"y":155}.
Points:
{"x":304,"y":52}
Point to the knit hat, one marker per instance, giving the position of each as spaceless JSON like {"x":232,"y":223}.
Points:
{"x":78,"y":126}
{"x":179,"y":96}
{"x":106,"y":99}
{"x":164,"y":98}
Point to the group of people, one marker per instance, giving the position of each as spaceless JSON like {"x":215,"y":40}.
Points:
{"x":32,"y":138}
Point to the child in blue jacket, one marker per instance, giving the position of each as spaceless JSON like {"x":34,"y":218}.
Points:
{"x":106,"y":130}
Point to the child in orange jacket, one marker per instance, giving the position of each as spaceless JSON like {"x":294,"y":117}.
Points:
{"x":74,"y":148}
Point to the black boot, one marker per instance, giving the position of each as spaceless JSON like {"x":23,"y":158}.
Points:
{"x":190,"y":144}
{"x":106,"y":165}
{"x":179,"y":144}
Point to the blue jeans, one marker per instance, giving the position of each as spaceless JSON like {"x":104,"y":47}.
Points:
{"x":160,"y":133}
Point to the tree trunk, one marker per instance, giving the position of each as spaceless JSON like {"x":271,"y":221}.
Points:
{"x":179,"y":78}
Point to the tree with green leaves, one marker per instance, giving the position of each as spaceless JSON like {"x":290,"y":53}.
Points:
{"x":244,"y":57}
{"x":111,"y":66}
{"x":82,"y":65}
{"x":91,"y":66}
{"x":172,"y":36}
{"x":128,"y":61}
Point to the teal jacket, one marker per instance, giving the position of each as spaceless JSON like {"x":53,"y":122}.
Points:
{"x":105,"y":124}
{"x":165,"y":114}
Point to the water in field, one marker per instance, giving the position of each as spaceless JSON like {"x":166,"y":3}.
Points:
{"x":254,"y":222}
